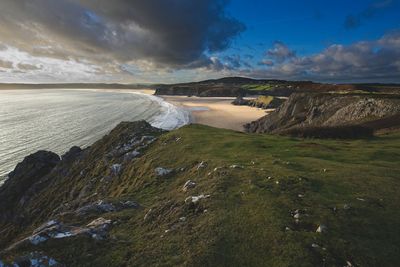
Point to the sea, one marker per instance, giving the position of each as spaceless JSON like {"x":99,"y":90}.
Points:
{"x":57,"y":119}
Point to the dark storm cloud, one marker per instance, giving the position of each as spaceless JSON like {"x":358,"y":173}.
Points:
{"x":362,"y":61}
{"x":169,"y":33}
{"x":355,"y":20}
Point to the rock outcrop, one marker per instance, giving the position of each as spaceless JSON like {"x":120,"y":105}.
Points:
{"x":328,"y":115}
{"x":42,"y":186}
{"x":25,"y":174}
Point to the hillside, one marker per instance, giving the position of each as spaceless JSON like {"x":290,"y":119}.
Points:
{"x":239,"y":86}
{"x":201,"y":196}
{"x":331,"y":115}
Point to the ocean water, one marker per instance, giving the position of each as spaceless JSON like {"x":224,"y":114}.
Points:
{"x":57,"y":119}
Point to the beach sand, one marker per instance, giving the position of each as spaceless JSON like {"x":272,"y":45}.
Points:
{"x":217,"y":111}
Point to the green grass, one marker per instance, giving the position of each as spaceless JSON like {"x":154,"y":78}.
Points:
{"x":247,"y":213}
{"x":258,"y":87}
{"x":263,"y":100}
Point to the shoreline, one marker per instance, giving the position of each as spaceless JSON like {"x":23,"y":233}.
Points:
{"x":216,"y":111}
{"x":211,"y":111}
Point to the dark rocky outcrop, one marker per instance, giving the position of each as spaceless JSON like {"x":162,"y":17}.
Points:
{"x":240,"y":101}
{"x":71,"y":155}
{"x":28,"y":172}
{"x":43,"y":187}
{"x":329,"y":115}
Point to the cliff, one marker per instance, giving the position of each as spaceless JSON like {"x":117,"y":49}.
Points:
{"x":331,"y":115}
{"x":201,"y":196}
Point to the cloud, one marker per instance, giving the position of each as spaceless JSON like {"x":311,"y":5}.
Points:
{"x":169,"y":34}
{"x":377,"y":60}
{"x":356,"y":20}
{"x":22,"y":66}
{"x":280,"y":52}
{"x":4,"y":64}
{"x":266,"y":62}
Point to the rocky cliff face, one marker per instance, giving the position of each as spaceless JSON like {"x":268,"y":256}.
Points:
{"x":43,"y":186}
{"x":308,"y":112}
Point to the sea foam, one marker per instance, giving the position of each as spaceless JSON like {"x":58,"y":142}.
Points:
{"x":170,"y":117}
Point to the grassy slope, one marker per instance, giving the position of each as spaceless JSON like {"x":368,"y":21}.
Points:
{"x":258,"y":87}
{"x":248,"y":213}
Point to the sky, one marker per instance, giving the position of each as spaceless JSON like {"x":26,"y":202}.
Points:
{"x":170,"y":41}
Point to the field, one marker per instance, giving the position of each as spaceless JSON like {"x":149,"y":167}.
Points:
{"x":258,"y":87}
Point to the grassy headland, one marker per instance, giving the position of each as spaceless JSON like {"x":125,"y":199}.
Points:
{"x":268,"y":195}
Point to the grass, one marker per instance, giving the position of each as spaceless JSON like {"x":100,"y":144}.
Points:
{"x":258,"y":87}
{"x":245,"y":221}
{"x":263,"y":100}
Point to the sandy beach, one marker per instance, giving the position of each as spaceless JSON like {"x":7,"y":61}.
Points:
{"x":214,"y":111}
{"x":217,"y":111}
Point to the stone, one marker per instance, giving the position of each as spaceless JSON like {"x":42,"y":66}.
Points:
{"x":162,"y":171}
{"x":99,"y":223}
{"x":116,"y":169}
{"x":131,"y":155}
{"x":188,"y":185}
{"x":236,"y":167}
{"x":195,"y":199}
{"x":202,"y":165}
{"x":37,"y":239}
{"x":321,"y":229}
{"x":96,"y":207}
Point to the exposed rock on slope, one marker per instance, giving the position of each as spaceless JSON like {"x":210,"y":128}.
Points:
{"x":21,"y":180}
{"x":43,"y":187}
{"x":327,"y":115}
{"x":223,"y":199}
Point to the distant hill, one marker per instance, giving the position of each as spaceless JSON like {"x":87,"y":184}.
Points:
{"x":235,"y":86}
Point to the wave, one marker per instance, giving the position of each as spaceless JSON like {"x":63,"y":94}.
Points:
{"x":170,"y":117}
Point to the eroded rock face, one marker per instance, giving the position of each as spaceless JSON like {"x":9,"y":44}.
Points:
{"x":72,"y":154}
{"x":42,"y":187}
{"x":308,"y":111}
{"x":26,"y":173}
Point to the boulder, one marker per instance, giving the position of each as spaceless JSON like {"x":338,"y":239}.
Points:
{"x":321,"y":229}
{"x":162,"y":171}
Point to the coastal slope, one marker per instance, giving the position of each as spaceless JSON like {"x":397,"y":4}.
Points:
{"x":201,"y":196}
{"x":331,"y":115}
